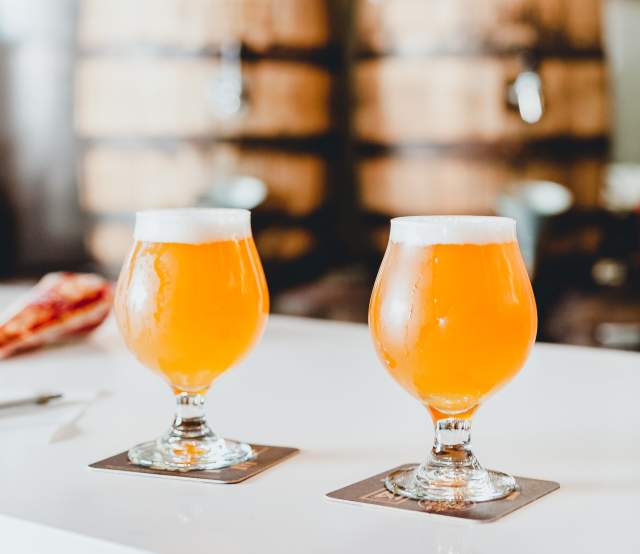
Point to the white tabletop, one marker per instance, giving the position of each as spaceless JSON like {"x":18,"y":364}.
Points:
{"x":570,"y":416}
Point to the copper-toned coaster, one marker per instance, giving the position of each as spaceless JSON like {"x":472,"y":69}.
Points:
{"x":372,"y":491}
{"x":265,"y":457}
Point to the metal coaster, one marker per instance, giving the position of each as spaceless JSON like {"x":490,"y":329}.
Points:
{"x":266,"y":456}
{"x":372,"y":491}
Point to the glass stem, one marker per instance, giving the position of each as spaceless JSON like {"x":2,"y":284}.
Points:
{"x":452,"y":445}
{"x":190,"y":420}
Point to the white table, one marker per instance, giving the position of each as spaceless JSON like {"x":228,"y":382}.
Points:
{"x":571,"y":416}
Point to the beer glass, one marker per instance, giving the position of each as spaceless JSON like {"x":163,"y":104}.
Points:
{"x":191,"y":300}
{"x":453,"y":318}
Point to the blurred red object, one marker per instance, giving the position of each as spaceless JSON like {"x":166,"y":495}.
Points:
{"x":60,"y":306}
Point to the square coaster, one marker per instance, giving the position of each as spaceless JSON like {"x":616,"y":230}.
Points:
{"x":266,"y":456}
{"x":372,"y":491}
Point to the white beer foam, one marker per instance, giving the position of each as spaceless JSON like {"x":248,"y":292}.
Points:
{"x":192,"y":225}
{"x":452,"y":229}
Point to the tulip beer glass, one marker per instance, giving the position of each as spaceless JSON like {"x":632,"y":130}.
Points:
{"x":190,"y":302}
{"x":453,"y":318}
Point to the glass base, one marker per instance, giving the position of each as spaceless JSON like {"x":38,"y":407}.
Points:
{"x":189,"y":454}
{"x":453,"y":484}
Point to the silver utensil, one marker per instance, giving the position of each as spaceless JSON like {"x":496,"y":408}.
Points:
{"x":39,"y":400}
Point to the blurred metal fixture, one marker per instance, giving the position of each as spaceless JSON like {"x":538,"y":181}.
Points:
{"x":229,"y":188}
{"x":235,"y":191}
{"x":525,"y":94}
{"x":622,"y":187}
{"x":227,"y":89}
{"x":529,"y":202}
{"x":545,"y":198}
{"x":618,"y":335}
{"x":609,"y":272}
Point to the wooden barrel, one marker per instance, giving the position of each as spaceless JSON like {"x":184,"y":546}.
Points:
{"x":148,"y":79}
{"x":451,"y":100}
{"x":456,"y":101}
{"x":117,"y":179}
{"x":417,"y":182}
{"x":159,"y":97}
{"x":261,"y":25}
{"x":455,"y":26}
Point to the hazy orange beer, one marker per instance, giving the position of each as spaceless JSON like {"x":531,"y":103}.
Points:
{"x":200,"y":307}
{"x":452,"y":317}
{"x":452,"y":322}
{"x":191,"y":300}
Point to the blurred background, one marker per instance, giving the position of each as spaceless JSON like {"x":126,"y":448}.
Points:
{"x":328,"y":117}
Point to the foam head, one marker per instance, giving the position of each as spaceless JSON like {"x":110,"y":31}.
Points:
{"x":192,"y":225}
{"x":452,"y":229}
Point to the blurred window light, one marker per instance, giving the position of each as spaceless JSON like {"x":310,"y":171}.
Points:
{"x":34,"y":20}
